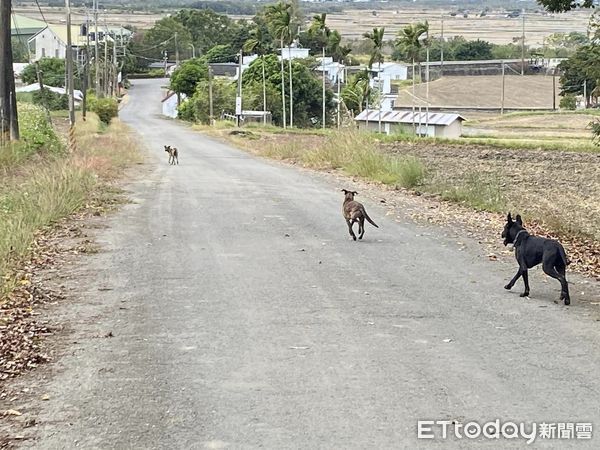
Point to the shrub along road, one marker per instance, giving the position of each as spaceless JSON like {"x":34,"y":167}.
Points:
{"x":240,"y":314}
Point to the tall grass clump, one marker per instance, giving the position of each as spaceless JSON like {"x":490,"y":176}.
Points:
{"x":44,"y":190}
{"x":478,"y":191}
{"x":46,"y":193}
{"x":37,"y":134}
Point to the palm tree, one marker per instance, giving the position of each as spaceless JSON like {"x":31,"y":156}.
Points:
{"x":257,"y":43}
{"x":376,"y":38}
{"x":318,"y":27}
{"x":409,"y":42}
{"x":279,"y":18}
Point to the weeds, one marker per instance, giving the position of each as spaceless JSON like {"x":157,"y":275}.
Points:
{"x":39,"y":192}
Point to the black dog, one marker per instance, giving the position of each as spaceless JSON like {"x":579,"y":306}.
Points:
{"x":532,"y":250}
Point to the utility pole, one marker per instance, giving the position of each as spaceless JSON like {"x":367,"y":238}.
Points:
{"x":105,"y":75}
{"x":585,"y":102}
{"x":502,"y":94}
{"x":523,"y":46}
{"x":116,"y":69}
{"x":9,"y":123}
{"x":323,"y":73}
{"x":69,"y":64}
{"x":554,"y":89}
{"x":339,"y":97}
{"x":238,"y":100}
{"x":176,"y":51}
{"x":442,"y":49}
{"x":96,"y":50}
{"x":210,"y":97}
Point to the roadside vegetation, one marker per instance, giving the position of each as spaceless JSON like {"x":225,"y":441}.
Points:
{"x":42,"y":183}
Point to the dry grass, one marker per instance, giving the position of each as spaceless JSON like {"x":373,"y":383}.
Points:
{"x":350,"y":151}
{"x":43,"y":190}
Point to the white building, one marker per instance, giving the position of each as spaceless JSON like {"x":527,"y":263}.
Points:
{"x":51,"y":42}
{"x":293,"y":53}
{"x":393,"y":70}
{"x":333,"y":69}
{"x":169,"y":104}
{"x":432,"y":124}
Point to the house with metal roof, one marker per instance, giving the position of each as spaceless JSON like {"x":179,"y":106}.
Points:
{"x":23,"y":27}
{"x":422,"y":123}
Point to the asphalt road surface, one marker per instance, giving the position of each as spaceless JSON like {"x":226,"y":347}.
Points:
{"x":243,"y":317}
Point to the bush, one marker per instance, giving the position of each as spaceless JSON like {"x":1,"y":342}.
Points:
{"x":36,"y":129}
{"x":106,"y":108}
{"x":568,"y":102}
{"x":50,"y":100}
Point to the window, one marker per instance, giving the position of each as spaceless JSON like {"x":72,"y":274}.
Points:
{"x":56,"y":53}
{"x":43,"y":52}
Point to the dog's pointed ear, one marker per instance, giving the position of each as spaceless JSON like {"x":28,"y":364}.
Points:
{"x":344,"y":191}
{"x":355,"y":193}
{"x":519,"y":220}
{"x":509,"y":218}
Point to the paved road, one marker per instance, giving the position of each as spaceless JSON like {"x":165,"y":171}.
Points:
{"x":243,"y":317}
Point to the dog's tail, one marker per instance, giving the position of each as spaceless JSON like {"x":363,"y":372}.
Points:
{"x":370,"y":220}
{"x":563,"y":255}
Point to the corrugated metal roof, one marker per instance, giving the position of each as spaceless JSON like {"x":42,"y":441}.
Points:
{"x":433,"y":118}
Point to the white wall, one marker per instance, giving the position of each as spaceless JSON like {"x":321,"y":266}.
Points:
{"x":48,"y":45}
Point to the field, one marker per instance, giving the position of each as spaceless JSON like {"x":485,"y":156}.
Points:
{"x":494,"y":27}
{"x":533,"y":92}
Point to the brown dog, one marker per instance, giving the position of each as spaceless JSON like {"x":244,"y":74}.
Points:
{"x":355,"y":212}
{"x":173,"y":154}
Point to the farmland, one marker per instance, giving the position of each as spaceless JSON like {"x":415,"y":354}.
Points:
{"x":494,"y":27}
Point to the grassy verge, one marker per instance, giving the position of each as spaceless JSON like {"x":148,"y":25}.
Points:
{"x":354,"y":153}
{"x":37,"y":191}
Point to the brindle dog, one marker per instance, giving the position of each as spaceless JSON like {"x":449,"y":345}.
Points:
{"x":355,"y":212}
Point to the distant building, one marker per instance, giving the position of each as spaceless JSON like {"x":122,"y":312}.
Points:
{"x":24,"y":28}
{"x":433,"y":124}
{"x":293,"y":53}
{"x":51,"y":41}
{"x":170,"y":104}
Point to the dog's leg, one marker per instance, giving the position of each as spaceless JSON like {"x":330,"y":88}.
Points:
{"x":558,"y":273}
{"x":525,"y":276}
{"x":361,"y":227}
{"x":512,"y":282}
{"x":350,"y":224}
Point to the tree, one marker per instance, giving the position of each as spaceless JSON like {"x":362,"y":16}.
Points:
{"x":409,"y":43}
{"x":220,"y":53}
{"x":206,"y":28}
{"x":307,"y":91}
{"x":583,"y":68}
{"x":376,"y":56}
{"x":279,"y":17}
{"x":257,"y":43}
{"x":19,"y":50}
{"x":197,"y":108}
{"x":185,"y":78}
{"x":161,"y":37}
{"x":52,"y":69}
{"x":473,"y":51}
{"x":356,"y":92}
{"x":565,"y":5}
{"x":318,"y":28}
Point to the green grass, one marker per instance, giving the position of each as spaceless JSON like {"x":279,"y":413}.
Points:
{"x":483,"y":193}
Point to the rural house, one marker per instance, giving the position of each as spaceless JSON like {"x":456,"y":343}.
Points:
{"x":432,"y":124}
